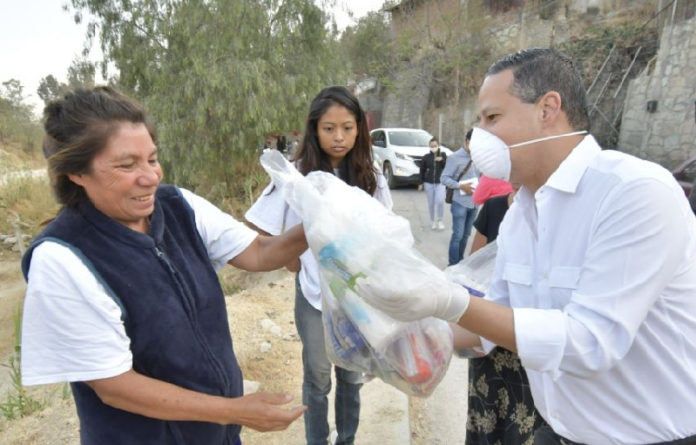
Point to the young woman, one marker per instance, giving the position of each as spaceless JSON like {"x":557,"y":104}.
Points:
{"x":430,"y":171}
{"x":336,"y":140}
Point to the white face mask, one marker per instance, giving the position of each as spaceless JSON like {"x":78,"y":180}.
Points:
{"x":434,"y":149}
{"x":492,"y":156}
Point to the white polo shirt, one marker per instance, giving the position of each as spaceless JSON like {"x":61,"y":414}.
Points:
{"x":272,"y":214}
{"x":600,"y":268}
{"x":71,"y":328}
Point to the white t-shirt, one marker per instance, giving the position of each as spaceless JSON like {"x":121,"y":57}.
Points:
{"x":72,"y":330}
{"x":272,"y":214}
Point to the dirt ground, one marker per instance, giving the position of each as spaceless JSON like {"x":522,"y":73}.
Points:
{"x":268,"y":349}
{"x":265,"y":342}
{"x":260,"y":316}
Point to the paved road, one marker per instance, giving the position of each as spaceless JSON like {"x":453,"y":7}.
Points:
{"x":441,"y":418}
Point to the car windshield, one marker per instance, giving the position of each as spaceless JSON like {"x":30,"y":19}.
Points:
{"x":409,"y":138}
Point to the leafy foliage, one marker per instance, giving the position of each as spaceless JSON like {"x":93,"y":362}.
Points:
{"x":450,"y":37}
{"x":81,"y":73}
{"x":369,"y":46}
{"x":17,"y":122}
{"x":49,"y":88}
{"x":593,"y":46}
{"x":218,"y":76}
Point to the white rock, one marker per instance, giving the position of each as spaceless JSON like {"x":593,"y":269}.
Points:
{"x":251,"y":386}
{"x":267,"y":324}
{"x":265,"y":347}
{"x":275,"y":330}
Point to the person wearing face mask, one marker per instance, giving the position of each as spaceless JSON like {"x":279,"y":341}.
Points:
{"x":595,"y":279}
{"x":430,"y":171}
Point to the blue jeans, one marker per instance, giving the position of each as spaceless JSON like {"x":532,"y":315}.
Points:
{"x":462,"y":220}
{"x":316,"y":383}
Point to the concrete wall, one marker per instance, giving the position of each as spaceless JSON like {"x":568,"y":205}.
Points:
{"x":667,"y":135}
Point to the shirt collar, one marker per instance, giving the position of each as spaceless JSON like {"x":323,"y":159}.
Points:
{"x":567,"y":176}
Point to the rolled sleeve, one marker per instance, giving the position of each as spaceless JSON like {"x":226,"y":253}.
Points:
{"x":540,"y":349}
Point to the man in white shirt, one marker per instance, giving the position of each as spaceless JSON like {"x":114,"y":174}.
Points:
{"x":595,"y":280}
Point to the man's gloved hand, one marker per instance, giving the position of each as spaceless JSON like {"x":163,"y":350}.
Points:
{"x":448,"y":302}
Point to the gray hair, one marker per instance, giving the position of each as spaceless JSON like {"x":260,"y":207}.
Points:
{"x":77,"y":127}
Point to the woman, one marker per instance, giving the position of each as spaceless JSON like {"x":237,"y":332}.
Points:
{"x":501,"y":408}
{"x":337,"y":141}
{"x":430,"y":170}
{"x":123,"y":300}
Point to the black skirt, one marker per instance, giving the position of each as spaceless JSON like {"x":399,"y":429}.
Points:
{"x":501,"y":409}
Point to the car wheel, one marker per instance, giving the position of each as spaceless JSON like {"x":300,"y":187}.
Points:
{"x":389,"y":175}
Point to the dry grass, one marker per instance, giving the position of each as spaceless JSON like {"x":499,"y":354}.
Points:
{"x":24,"y":198}
{"x":26,"y":202}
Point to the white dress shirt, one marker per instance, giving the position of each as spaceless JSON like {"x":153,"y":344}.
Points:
{"x":71,"y":328}
{"x":600,"y":269}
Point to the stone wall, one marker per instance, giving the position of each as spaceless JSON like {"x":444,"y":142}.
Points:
{"x":406,"y":106}
{"x":415,"y":101}
{"x":668,"y":134}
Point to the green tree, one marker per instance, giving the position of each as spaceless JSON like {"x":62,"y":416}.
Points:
{"x":13,"y":91}
{"x":16,"y":116}
{"x":369,"y":45}
{"x":218,"y":76}
{"x":49,"y":88}
{"x":81,"y":74}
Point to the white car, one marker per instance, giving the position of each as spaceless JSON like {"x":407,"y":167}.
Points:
{"x":399,"y":153}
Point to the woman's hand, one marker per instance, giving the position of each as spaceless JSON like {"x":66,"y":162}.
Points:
{"x":158,"y":399}
{"x":263,"y":412}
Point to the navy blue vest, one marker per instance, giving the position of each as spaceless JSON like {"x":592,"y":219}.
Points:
{"x":174,"y":314}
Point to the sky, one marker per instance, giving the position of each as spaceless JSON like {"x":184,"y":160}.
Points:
{"x":38,"y":38}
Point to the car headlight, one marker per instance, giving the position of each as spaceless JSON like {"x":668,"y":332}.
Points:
{"x":403,"y":156}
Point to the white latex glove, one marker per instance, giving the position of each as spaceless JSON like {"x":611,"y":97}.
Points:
{"x":448,"y":301}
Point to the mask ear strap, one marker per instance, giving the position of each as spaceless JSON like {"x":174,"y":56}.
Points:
{"x":555,"y":136}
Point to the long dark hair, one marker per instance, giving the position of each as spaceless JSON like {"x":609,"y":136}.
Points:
{"x":357,"y":168}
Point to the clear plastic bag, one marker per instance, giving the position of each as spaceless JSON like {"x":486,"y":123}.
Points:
{"x":353,"y":236}
{"x":474,"y":273}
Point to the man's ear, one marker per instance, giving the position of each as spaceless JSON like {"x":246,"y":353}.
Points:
{"x":76,"y":178}
{"x":550,"y":108}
